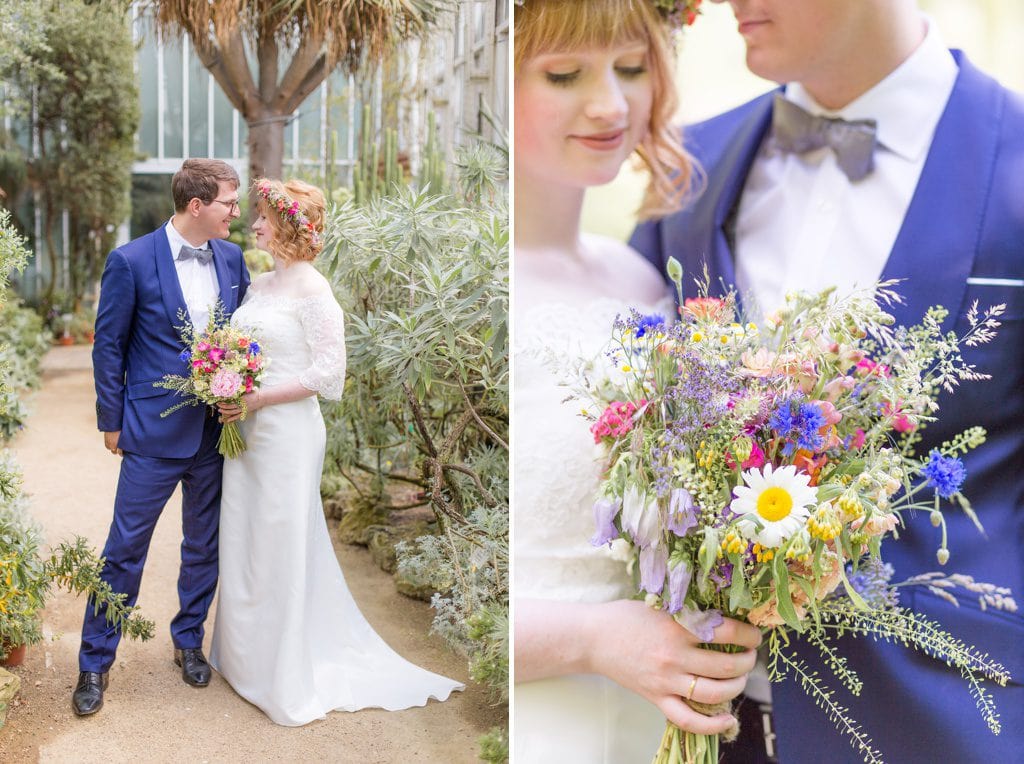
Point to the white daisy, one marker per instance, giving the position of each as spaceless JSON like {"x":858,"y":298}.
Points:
{"x":774,"y":504}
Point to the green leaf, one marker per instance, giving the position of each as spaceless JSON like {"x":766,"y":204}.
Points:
{"x":782,"y":594}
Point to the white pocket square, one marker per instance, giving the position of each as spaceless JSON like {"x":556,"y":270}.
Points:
{"x":235,"y":286}
{"x":982,"y":281}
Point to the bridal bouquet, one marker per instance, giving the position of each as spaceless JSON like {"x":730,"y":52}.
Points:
{"x":225,"y":363}
{"x":754,"y":472}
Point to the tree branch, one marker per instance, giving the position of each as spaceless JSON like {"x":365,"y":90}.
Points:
{"x":488,"y":496}
{"x":309,"y":83}
{"x":267,"y":55}
{"x":302,"y":63}
{"x":494,"y":436}
{"x":212,"y":58}
{"x":417,"y":415}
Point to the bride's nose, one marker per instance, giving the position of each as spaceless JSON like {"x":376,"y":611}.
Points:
{"x":606,"y":100}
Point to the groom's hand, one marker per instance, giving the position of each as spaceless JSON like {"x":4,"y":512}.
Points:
{"x":110,"y":442}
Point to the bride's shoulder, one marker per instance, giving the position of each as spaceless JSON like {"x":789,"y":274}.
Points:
{"x":635,"y":277}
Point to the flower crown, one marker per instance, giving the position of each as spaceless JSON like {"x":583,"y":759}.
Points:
{"x":288,"y":208}
{"x":677,"y":13}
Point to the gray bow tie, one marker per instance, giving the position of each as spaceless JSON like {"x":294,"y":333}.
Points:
{"x":202,"y":255}
{"x":796,"y":131}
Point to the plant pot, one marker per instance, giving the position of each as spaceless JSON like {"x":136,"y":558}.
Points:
{"x":69,"y":340}
{"x":15,"y":657}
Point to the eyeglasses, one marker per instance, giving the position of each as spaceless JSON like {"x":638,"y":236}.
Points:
{"x":231,"y":205}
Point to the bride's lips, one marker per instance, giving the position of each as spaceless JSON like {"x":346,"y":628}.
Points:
{"x":747,"y":26}
{"x":606,"y":141}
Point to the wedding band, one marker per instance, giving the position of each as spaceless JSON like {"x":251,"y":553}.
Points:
{"x":693,"y":686}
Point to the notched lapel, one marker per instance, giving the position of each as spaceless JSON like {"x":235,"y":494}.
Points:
{"x":170,"y":287}
{"x":228,"y":293}
{"x":725,"y":186}
{"x":936,"y":247}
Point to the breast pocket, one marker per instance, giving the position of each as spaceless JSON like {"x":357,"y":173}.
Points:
{"x":988,"y":292}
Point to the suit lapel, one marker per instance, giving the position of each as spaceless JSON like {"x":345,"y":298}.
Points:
{"x":724,"y":188}
{"x":170,"y":287}
{"x":935,"y":249}
{"x":228,"y":296}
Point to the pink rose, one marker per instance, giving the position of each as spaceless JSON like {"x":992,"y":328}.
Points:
{"x":202,"y":346}
{"x":217,"y":355}
{"x":226,"y":384}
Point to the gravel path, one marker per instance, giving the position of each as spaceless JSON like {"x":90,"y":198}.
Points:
{"x":149,"y":714}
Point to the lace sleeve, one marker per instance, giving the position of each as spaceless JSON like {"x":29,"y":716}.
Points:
{"x":324,"y":325}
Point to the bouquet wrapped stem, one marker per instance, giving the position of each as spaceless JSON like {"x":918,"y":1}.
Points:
{"x":231,"y":443}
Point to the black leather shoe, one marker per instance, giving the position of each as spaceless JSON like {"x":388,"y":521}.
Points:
{"x":194,"y":668}
{"x":88,"y":696}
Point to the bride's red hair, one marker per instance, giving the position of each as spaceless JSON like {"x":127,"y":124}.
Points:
{"x":291,"y":242}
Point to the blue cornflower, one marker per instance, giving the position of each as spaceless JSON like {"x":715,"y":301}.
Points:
{"x":649,"y":322}
{"x":185,"y":356}
{"x":945,"y":473}
{"x":809,"y":421}
{"x":254,"y":347}
{"x":782,"y":419}
{"x":799,"y":428}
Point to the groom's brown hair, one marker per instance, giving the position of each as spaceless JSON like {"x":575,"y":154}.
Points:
{"x":198,"y":179}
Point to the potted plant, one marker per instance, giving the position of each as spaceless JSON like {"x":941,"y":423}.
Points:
{"x":28,"y":577}
{"x":83,"y":325}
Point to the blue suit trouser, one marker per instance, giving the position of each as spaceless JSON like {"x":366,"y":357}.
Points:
{"x":144,"y":487}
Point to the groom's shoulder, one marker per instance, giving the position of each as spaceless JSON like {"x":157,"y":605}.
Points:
{"x":139,"y":245}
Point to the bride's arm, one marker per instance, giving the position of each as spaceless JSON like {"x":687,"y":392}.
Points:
{"x":642,"y":649}
{"x":324,"y":325}
{"x":286,"y":392}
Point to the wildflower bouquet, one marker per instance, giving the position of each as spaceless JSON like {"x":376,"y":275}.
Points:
{"x":754,"y":472}
{"x":225,"y":364}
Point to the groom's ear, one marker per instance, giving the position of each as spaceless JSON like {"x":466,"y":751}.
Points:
{"x":195,"y":206}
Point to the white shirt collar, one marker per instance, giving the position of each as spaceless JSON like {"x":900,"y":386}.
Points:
{"x":907,"y":104}
{"x":177,"y":241}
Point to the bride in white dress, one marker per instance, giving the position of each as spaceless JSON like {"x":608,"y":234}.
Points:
{"x":596,"y":673}
{"x":288,"y":636}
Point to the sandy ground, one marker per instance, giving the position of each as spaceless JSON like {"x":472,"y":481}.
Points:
{"x":149,"y":714}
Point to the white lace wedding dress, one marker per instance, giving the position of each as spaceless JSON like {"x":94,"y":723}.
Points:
{"x":288,"y":636}
{"x":582,"y":719}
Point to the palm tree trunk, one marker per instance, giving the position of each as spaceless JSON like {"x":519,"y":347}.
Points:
{"x":266,"y":146}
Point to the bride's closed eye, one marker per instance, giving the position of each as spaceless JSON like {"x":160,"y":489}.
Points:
{"x":562,"y":78}
{"x":567,"y":78}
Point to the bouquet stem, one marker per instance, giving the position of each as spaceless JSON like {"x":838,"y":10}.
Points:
{"x":678,"y":747}
{"x":231,"y":442}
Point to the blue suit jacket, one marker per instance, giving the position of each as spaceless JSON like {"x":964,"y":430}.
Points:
{"x":137,"y":344}
{"x":966,"y":219}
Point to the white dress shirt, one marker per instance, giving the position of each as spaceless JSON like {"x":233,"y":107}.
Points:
{"x":198,"y":280}
{"x":802,"y":224}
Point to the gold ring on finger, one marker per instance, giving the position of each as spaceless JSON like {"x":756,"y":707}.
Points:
{"x":693,"y":686}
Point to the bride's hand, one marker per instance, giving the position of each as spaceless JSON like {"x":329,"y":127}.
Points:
{"x":233,"y":412}
{"x":646,"y":651}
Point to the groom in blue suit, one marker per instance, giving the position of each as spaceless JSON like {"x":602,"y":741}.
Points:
{"x":181,"y":269}
{"x":886,"y":156}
